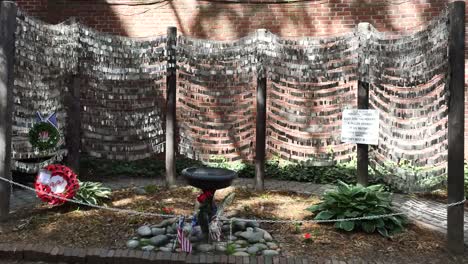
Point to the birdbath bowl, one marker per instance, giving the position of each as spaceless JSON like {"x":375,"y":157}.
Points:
{"x":208,"y":180}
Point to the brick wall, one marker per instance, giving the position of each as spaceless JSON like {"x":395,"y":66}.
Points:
{"x":228,"y":19}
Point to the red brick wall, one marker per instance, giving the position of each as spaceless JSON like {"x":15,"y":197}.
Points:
{"x":214,"y":19}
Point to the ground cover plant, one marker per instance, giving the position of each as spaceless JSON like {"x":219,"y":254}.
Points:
{"x":354,"y":201}
{"x":275,"y":169}
{"x":84,"y":227}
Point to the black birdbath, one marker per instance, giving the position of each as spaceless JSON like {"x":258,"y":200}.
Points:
{"x":208,"y":180}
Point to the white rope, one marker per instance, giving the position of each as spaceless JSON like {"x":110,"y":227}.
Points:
{"x":230,"y":220}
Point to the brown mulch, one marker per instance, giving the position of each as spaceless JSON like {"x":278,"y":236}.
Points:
{"x":71,"y":226}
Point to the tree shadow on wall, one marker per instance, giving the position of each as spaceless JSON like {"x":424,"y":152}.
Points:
{"x":227,"y":21}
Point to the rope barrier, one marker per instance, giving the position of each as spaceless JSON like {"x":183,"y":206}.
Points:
{"x":230,"y":220}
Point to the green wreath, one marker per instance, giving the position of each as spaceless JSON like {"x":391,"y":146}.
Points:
{"x":44,"y":136}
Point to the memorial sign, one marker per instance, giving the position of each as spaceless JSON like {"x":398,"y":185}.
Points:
{"x":360,"y":126}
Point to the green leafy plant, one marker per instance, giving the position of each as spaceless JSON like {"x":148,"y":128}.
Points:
{"x":230,"y":248}
{"x":353,"y":201}
{"x":297,"y":228}
{"x":93,"y":193}
{"x":151,"y":188}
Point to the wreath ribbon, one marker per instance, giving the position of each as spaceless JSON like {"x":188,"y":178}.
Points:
{"x":51,"y":119}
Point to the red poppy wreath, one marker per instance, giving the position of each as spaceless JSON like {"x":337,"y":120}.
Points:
{"x":58,"y":180}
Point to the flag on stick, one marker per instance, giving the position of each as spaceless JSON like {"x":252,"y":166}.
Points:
{"x":184,"y":242}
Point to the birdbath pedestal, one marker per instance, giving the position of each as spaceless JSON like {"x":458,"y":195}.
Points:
{"x":208,"y":180}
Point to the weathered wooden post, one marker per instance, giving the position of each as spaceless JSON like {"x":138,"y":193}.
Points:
{"x":73,"y":138}
{"x":260,"y":130}
{"x":171,"y":106}
{"x":7,"y":54}
{"x":456,"y":122}
{"x":363,"y":103}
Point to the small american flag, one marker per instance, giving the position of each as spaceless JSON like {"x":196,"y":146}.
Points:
{"x":215,"y":229}
{"x":184,"y":242}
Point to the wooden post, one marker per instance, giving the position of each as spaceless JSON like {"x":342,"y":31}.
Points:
{"x":7,"y":54}
{"x":363,"y":149}
{"x":260,"y":131}
{"x":363,"y":103}
{"x":456,"y":124}
{"x":171,"y":106}
{"x":73,"y":138}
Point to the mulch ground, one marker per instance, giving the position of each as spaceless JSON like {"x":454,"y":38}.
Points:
{"x":72,"y":226}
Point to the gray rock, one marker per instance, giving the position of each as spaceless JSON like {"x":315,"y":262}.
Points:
{"x":140,"y":191}
{"x":272,"y":245}
{"x":133,"y":243}
{"x":262,"y":240}
{"x":165,"y":249}
{"x":170,"y":230}
{"x":159,"y":240}
{"x":226,"y":228}
{"x":252,"y":224}
{"x":269,"y":252}
{"x":241,"y":254}
{"x":205,"y":247}
{"x":166,"y":222}
{"x":148,"y":248}
{"x":220,"y":248}
{"x":144,"y":231}
{"x":169,"y":245}
{"x":266,"y":235}
{"x":252,"y":250}
{"x":237,"y":233}
{"x":158,"y":231}
{"x":239,"y":225}
{"x":261,"y":246}
{"x":231,"y":238}
{"x":243,"y":249}
{"x":241,"y":242}
{"x":252,"y":237}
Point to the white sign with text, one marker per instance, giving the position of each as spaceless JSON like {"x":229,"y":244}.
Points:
{"x":360,"y":126}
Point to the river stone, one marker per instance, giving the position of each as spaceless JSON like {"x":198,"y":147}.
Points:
{"x":252,"y":250}
{"x":272,"y":245}
{"x":140,"y":191}
{"x":241,"y":254}
{"x":269,"y":252}
{"x":261,"y":246}
{"x":165,"y":249}
{"x":170,"y":230}
{"x":148,"y":248}
{"x":241,"y":242}
{"x":239,"y":225}
{"x":252,"y":224}
{"x":205,"y":247}
{"x":133,"y":243}
{"x":266,"y":235}
{"x":144,"y":231}
{"x":237,"y":233}
{"x":220,"y":248}
{"x":157,"y":231}
{"x":231,"y":238}
{"x":166,"y":222}
{"x":159,"y":240}
{"x":252,"y":237}
{"x":243,"y":249}
{"x":225,"y":228}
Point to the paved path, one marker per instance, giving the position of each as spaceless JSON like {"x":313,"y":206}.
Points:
{"x":431,"y":214}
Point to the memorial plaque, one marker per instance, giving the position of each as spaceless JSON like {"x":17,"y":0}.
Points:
{"x":360,"y":126}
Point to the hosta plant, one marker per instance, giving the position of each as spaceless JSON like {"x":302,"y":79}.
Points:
{"x":93,"y":193}
{"x":353,"y":201}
